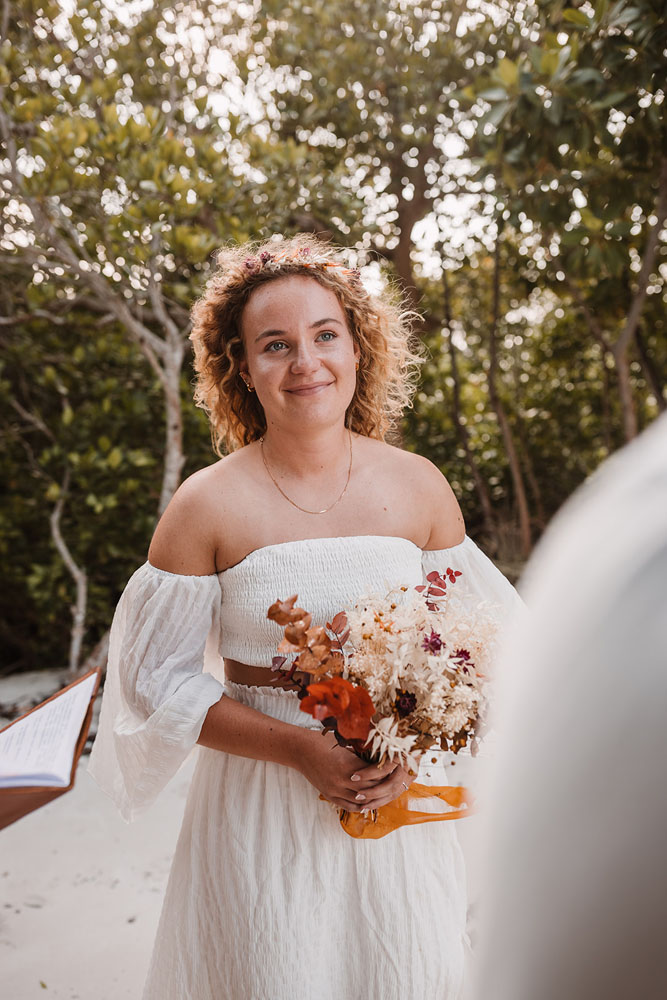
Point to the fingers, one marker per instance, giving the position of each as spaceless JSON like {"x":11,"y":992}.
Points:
{"x":386,"y":790}
{"x":369,"y":775}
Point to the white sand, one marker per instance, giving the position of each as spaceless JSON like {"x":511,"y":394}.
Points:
{"x":80,"y":893}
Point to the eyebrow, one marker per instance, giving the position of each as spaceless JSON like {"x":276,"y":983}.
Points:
{"x":313,"y":326}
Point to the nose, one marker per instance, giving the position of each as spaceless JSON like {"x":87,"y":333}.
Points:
{"x":304,"y":359}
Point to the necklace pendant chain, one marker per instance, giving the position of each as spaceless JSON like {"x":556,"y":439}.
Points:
{"x":298,"y":506}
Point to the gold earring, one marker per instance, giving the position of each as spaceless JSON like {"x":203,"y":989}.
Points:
{"x":356,"y":366}
{"x":249,"y":387}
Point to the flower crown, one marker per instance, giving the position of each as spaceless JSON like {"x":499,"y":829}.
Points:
{"x":304,"y":256}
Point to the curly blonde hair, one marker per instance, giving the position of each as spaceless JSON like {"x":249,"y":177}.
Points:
{"x":389,"y":359}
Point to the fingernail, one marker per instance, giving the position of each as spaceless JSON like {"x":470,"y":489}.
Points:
{"x":355,"y":777}
{"x":360,"y":796}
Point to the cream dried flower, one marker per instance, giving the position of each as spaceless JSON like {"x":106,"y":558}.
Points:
{"x":384,"y":740}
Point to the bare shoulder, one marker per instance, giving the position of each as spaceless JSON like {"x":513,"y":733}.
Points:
{"x":427,"y":489}
{"x":447,"y":524}
{"x":184,"y":540}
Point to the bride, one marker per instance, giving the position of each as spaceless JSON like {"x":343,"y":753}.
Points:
{"x":302,"y":373}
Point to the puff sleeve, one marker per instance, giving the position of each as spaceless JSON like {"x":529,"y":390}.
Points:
{"x":481,"y":579}
{"x":156,"y":695}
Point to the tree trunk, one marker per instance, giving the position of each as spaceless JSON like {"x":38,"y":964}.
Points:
{"x":606,"y":406}
{"x":173,"y":447}
{"x":499,"y":410}
{"x":650,"y":372}
{"x":490,"y":529}
{"x":401,"y":256}
{"x":625,"y":392}
{"x":79,"y":576}
{"x":621,"y":348}
{"x":527,"y":463}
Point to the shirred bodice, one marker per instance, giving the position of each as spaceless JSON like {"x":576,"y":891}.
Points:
{"x":328,"y":574}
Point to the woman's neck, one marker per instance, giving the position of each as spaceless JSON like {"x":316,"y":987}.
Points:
{"x":308,"y":454}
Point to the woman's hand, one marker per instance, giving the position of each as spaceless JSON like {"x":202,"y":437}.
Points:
{"x":394,"y":780}
{"x":346,"y":780}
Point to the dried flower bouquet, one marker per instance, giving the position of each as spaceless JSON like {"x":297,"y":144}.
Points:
{"x":393,"y":677}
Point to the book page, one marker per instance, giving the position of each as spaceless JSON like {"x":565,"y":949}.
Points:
{"x":39,"y":749}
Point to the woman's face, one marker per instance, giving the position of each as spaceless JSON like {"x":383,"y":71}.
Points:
{"x":299,"y":353}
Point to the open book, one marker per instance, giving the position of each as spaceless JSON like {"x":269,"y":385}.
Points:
{"x":39,"y":751}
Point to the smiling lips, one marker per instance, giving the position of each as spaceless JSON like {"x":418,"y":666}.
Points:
{"x":308,"y":390}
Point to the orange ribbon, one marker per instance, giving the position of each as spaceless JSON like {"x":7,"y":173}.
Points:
{"x":397,"y":813}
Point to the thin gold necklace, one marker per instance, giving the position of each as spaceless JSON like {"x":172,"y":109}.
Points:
{"x":298,"y":506}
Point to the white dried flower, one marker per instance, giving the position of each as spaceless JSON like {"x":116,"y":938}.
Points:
{"x":384,"y":740}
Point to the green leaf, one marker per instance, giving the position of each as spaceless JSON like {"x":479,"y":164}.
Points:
{"x":554,"y":113}
{"x":493,"y":94}
{"x":592,"y":223}
{"x":586,"y":75}
{"x":571,"y":237}
{"x":508,"y":73}
{"x":614,"y":99}
{"x":495,"y":115}
{"x":52,"y":492}
{"x":577,"y":17}
{"x":549,"y":61}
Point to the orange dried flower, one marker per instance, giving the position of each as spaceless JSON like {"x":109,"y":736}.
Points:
{"x":350,"y":705}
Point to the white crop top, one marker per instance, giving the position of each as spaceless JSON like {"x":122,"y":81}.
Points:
{"x":157,"y":693}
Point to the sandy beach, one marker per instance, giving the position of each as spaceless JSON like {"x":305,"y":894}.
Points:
{"x":80,"y":893}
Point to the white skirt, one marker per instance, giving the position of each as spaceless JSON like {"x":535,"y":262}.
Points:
{"x":268,"y":898}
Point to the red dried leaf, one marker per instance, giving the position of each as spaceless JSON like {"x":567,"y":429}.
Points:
{"x":281,"y":611}
{"x":342,"y":639}
{"x":339,"y":622}
{"x":285,"y":646}
{"x":296,"y":632}
{"x":436,"y":592}
{"x":308,"y":662}
{"x":335,"y":663}
{"x":277,"y":662}
{"x":318,"y":637}
{"x":421,"y":588}
{"x":432,"y":577}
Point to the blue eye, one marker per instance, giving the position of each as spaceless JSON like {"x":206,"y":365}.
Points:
{"x":275,"y":343}
{"x":329,"y":334}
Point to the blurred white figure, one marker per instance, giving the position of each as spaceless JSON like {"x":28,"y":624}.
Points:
{"x":575,"y":903}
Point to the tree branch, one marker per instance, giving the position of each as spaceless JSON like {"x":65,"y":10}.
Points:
{"x":79,"y":576}
{"x":33,"y":419}
{"x":648,"y":263}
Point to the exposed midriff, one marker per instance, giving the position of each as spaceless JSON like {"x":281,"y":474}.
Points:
{"x":242,"y":673}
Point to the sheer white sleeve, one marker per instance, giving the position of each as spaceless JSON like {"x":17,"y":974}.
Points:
{"x":480,"y":582}
{"x":480,"y":578}
{"x":156,"y":695}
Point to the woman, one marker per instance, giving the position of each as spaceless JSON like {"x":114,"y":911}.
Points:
{"x":302,"y":373}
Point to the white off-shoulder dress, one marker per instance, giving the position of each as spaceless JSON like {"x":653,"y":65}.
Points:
{"x":268,"y":898}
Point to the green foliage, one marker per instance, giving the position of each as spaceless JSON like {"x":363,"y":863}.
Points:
{"x":146,"y":137}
